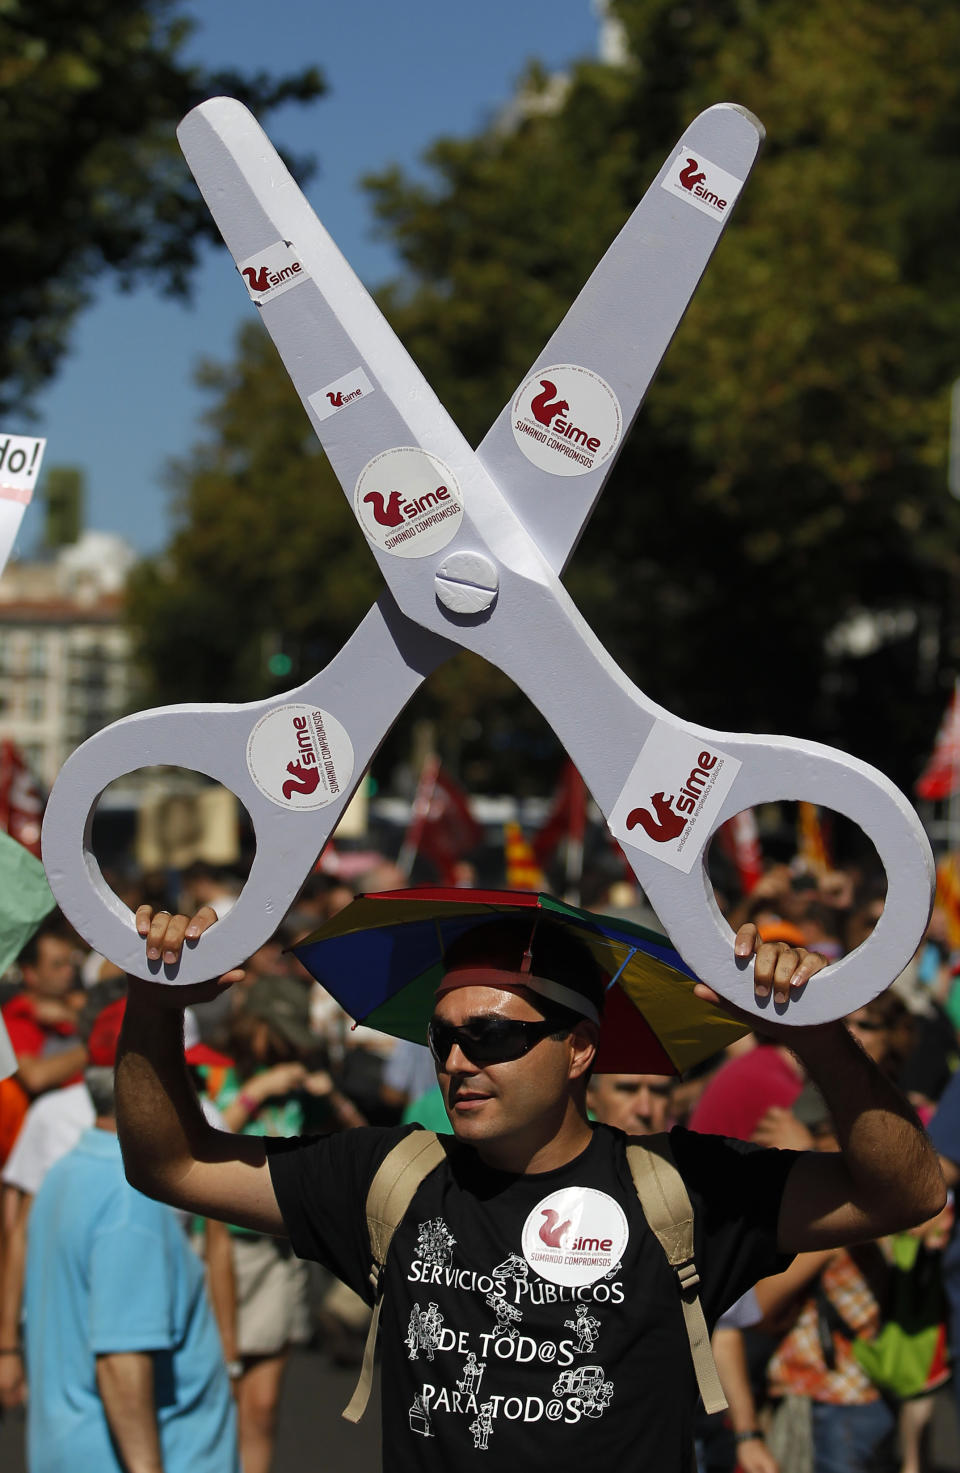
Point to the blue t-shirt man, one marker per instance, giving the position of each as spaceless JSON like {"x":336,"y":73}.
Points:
{"x":110,"y":1271}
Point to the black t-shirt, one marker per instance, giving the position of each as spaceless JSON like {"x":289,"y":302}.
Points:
{"x":535,"y":1318}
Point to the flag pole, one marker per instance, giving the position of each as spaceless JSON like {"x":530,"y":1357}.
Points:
{"x":422,"y":800}
{"x":953,"y":803}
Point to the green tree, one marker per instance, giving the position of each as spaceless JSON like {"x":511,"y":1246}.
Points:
{"x":91,"y":179}
{"x":267,"y":557}
{"x":787,"y":473}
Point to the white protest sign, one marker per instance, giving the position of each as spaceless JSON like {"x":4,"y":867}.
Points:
{"x":20,"y":460}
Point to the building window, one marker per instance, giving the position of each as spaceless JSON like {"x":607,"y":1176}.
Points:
{"x":37,"y":655}
{"x":36,"y":703}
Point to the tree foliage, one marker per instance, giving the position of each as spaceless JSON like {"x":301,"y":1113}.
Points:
{"x":785,"y":481}
{"x":91,"y":179}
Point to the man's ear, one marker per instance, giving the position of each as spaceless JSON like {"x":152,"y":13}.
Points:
{"x":583,"y":1047}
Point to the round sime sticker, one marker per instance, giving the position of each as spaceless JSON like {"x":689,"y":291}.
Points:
{"x":566,"y":420}
{"x":408,"y":502}
{"x":575,"y":1236}
{"x":300,"y":757}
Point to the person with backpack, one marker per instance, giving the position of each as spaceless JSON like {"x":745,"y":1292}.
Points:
{"x":529,"y":1211}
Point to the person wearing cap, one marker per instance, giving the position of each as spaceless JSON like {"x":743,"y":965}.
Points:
{"x":123,"y":1357}
{"x":526,"y":1248}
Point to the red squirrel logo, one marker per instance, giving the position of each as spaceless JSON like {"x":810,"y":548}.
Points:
{"x":690,"y":175}
{"x":302,"y":780}
{"x":389,"y":515}
{"x":550,"y":1233}
{"x":336,"y":399}
{"x":542,"y":409}
{"x":667,"y":824}
{"x":259,"y":280}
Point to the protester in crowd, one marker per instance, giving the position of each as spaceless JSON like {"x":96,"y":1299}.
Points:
{"x":270,"y":1091}
{"x":42,"y":1018}
{"x":519,"y":1112}
{"x":408,"y":1076}
{"x":745,"y":1087}
{"x":203,"y":884}
{"x":945,"y":1135}
{"x":637,"y":1104}
{"x":123,"y":1357}
{"x":53,"y":1125}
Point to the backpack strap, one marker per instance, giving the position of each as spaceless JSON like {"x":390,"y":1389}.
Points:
{"x":669,"y":1214}
{"x":392,"y":1190}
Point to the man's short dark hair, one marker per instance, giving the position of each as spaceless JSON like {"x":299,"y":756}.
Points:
{"x":54,"y":925}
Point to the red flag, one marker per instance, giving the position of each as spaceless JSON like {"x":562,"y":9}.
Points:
{"x":567,"y":818}
{"x":21,"y":804}
{"x":442,"y":828}
{"x":740,"y":839}
{"x":940,"y":776}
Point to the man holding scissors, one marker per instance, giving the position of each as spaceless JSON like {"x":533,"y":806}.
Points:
{"x":483,"y":1264}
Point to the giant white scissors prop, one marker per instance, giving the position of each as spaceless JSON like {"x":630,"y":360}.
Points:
{"x":470,"y":545}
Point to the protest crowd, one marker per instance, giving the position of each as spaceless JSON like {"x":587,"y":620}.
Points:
{"x":832,"y":1364}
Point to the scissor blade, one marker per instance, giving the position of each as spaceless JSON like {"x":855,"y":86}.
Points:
{"x":616,"y":334}
{"x":364,"y":394}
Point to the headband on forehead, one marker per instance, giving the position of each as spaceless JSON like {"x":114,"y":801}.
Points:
{"x":510,"y":982}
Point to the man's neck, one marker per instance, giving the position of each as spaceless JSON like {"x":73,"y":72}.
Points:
{"x":544,"y":1147}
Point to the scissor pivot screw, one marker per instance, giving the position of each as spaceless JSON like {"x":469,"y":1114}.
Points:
{"x":466,"y":583}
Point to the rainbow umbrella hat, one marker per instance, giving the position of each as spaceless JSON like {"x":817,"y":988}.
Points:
{"x":381,"y":958}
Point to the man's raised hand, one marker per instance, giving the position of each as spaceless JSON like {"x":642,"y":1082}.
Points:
{"x":165,"y":935}
{"x":777,"y":968}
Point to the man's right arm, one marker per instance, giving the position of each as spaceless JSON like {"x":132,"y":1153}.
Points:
{"x":169,"y":1149}
{"x":125,"y":1383}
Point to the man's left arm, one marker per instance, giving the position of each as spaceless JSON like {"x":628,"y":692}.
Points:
{"x":886,"y":1176}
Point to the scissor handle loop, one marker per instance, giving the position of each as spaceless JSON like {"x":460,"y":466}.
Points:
{"x":207,"y":739}
{"x":777,"y":768}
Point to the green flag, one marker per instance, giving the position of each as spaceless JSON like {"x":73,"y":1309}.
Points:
{"x":25,"y":898}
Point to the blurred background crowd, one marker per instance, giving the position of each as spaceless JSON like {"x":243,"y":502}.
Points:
{"x":276,"y":1055}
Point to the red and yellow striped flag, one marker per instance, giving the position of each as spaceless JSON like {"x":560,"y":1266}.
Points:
{"x":948,"y":896}
{"x":523,"y":872}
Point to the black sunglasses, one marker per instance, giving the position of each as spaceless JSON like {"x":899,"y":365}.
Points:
{"x":489,"y":1040}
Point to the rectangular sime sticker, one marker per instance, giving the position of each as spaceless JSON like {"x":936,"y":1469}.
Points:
{"x":272,"y":271}
{"x":343,"y":391}
{"x":673,"y":796}
{"x":704,"y":185}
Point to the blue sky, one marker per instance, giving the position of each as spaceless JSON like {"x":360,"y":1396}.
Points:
{"x":399,"y":75}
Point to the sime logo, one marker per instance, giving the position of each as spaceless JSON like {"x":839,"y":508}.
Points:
{"x":272,"y":271}
{"x":668,"y":819}
{"x":694,"y":179}
{"x":566,"y":419}
{"x":552,"y":412}
{"x":263,"y":279}
{"x":347,"y":389}
{"x":299,"y":756}
{"x":398,"y":509}
{"x":304,"y":773}
{"x":703,"y":184}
